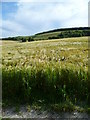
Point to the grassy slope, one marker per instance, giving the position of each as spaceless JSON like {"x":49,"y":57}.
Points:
{"x":53,"y":71}
{"x":56,"y":32}
{"x":46,"y":35}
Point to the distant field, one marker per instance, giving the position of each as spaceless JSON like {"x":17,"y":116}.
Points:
{"x":53,"y":70}
{"x":46,"y":35}
{"x":54,"y":34}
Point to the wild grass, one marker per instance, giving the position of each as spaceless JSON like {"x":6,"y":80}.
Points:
{"x":54,"y":71}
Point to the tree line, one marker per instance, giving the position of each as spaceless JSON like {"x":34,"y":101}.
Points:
{"x":21,"y":39}
{"x":73,"y":33}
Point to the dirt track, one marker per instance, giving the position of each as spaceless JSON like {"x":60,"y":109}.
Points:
{"x":23,"y":113}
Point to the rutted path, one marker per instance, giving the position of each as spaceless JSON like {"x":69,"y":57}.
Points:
{"x":24,"y":113}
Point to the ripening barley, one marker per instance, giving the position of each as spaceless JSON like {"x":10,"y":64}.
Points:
{"x":56,"y":70}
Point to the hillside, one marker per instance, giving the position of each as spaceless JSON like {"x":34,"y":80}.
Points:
{"x":54,"y":34}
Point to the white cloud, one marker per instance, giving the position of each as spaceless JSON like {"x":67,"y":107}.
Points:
{"x":12,"y":28}
{"x":34,"y":17}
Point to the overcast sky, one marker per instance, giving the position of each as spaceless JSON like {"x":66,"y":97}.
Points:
{"x":27,"y":18}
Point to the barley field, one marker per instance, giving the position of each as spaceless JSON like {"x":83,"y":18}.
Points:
{"x":53,"y":71}
{"x":62,"y":53}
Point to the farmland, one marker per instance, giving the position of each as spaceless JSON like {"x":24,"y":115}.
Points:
{"x":53,"y":71}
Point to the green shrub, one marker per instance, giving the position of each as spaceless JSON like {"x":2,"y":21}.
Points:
{"x":30,"y":39}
